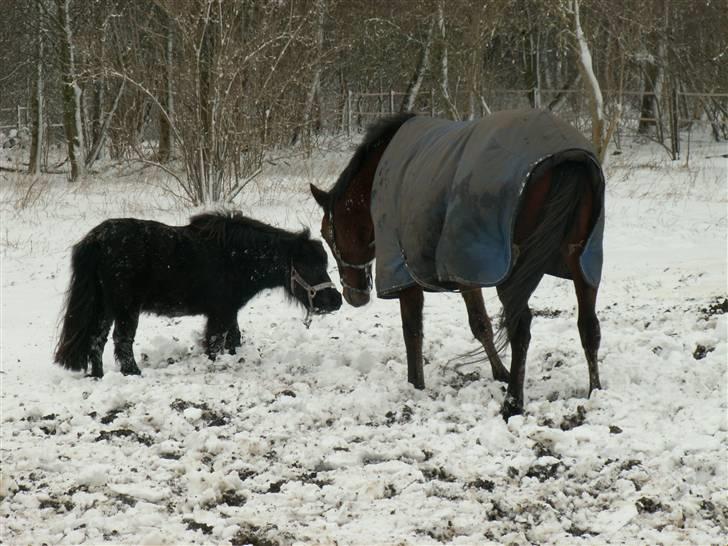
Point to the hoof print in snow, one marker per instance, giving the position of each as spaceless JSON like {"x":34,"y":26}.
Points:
{"x":275,"y":487}
{"x":480,"y":483}
{"x":210,"y":417}
{"x":543,"y":472}
{"x":646,"y":504}
{"x":463,"y":379}
{"x":543,"y":450}
{"x":701,"y":351}
{"x":287,"y":392}
{"x":59,"y":506}
{"x":124,"y":433}
{"x":578,"y":531}
{"x":231,"y":498}
{"x":111,"y":415}
{"x":614,"y":429}
{"x":716,"y":308}
{"x":575,"y":419}
{"x":252,"y":535}
{"x":437,"y":473}
{"x":546,"y":312}
{"x":193,"y":525}
{"x":391,"y":417}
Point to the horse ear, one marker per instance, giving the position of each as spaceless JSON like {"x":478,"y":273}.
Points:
{"x":322,"y":198}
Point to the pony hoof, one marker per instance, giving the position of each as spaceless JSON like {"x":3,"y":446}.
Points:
{"x":131,"y":371}
{"x":510,"y":408}
{"x":418,"y":384}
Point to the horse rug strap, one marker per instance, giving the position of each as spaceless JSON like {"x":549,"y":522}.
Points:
{"x":445,"y":198}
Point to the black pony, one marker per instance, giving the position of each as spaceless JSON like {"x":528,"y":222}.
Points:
{"x":211,"y":267}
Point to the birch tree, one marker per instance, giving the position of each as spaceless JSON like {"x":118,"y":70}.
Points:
{"x":423,"y":65}
{"x":37,"y":100}
{"x":601,"y":131}
{"x":72,"y":123}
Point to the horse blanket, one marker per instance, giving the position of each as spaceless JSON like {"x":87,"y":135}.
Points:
{"x":445,"y":198}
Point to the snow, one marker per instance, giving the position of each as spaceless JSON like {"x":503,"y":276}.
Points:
{"x":315,"y":436}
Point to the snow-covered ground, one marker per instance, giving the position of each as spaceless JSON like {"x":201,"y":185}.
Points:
{"x":315,"y":436}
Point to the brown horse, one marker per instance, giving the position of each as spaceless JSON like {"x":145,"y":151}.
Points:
{"x":422,"y":195}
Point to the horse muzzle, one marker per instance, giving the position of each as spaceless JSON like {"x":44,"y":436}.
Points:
{"x":356,"y":298}
{"x":327,"y":300}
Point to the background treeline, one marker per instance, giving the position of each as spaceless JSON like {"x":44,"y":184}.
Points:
{"x":204,"y":88}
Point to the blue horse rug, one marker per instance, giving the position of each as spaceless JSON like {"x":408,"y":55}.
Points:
{"x":446,"y":194}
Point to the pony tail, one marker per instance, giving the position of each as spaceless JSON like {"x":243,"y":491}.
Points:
{"x":568,"y":187}
{"x":83,"y":307}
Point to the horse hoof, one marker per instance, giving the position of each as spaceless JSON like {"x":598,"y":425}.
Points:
{"x":510,"y":408}
{"x":131,"y":371}
{"x":502,"y":375}
{"x":418,"y":384}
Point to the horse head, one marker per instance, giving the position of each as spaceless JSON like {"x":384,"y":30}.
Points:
{"x":347,"y":228}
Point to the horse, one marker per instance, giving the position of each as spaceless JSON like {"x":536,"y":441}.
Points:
{"x":211,"y":267}
{"x":457,"y":206}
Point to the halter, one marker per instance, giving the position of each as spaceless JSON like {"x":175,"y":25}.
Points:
{"x":367,"y":266}
{"x":311,"y":292}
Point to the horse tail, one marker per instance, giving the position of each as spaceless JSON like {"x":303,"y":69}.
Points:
{"x":569,"y":183}
{"x":83,"y":307}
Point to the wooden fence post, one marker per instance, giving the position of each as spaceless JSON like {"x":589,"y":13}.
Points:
{"x":391,"y":101}
{"x":348,"y":113}
{"x":675,"y":123}
{"x":432,"y":102}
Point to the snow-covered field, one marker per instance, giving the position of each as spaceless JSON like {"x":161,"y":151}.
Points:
{"x":315,"y":436}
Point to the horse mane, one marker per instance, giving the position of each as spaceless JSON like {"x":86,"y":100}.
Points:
{"x":231,"y":228}
{"x":379,"y":133}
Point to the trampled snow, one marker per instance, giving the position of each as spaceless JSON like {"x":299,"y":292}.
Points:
{"x":315,"y":437}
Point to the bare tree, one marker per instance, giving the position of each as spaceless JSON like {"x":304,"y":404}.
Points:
{"x":423,"y":65}
{"x":71,"y":90}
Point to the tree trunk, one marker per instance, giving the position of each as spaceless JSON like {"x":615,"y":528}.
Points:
{"x":36,"y":143}
{"x":651,"y":113}
{"x":315,"y":88}
{"x":167,"y":100}
{"x":71,"y":92}
{"x":444,"y":76}
{"x":103,"y":129}
{"x":423,"y":64}
{"x":592,"y":84}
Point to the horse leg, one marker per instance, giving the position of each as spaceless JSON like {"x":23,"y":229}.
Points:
{"x":586,"y":295}
{"x":519,"y":334}
{"x":411,"y":301}
{"x":233,"y":338}
{"x":125,"y":326}
{"x":98,"y":342}
{"x":482,"y":329}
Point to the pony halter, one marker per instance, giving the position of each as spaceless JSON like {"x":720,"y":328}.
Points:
{"x":311,"y":292}
{"x":366,"y":266}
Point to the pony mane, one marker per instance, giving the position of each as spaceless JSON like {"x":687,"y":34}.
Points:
{"x":378,"y":133}
{"x":231,"y":227}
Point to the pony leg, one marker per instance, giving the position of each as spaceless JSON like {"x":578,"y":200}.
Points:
{"x":233,"y":338}
{"x":411,"y":301}
{"x":215,"y":336}
{"x":98,"y":342}
{"x":125,"y":326}
{"x":482,"y":330}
